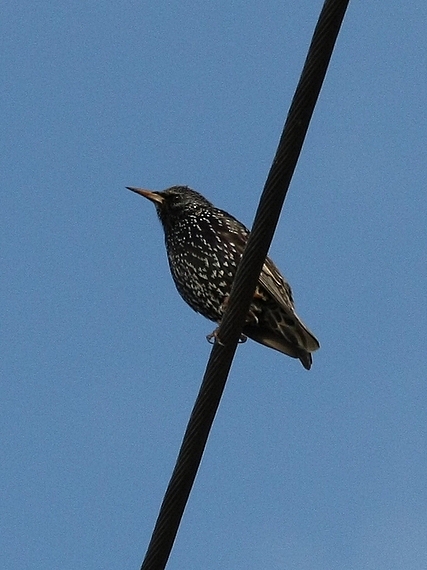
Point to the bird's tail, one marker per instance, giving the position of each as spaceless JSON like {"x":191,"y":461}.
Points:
{"x":287,"y":335}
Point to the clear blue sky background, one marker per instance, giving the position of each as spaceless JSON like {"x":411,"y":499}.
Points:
{"x":100,"y":358}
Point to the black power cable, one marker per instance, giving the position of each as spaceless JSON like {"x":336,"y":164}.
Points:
{"x":265,"y":222}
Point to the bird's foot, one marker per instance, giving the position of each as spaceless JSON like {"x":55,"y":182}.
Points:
{"x":212,"y":338}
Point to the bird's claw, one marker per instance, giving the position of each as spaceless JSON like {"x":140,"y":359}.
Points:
{"x":212,"y":338}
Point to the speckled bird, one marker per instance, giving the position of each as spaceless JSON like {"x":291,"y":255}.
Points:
{"x":204,"y":245}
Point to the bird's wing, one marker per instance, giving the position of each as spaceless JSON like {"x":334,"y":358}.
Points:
{"x":272,"y":280}
{"x":274,"y":284}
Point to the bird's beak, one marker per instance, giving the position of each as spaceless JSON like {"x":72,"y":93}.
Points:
{"x":152,"y":196}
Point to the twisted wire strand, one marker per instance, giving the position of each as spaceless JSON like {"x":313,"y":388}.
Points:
{"x":247,"y":275}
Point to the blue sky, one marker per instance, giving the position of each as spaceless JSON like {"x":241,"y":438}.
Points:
{"x":101,"y":360}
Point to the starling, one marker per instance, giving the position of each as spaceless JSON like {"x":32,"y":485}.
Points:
{"x":204,"y":246}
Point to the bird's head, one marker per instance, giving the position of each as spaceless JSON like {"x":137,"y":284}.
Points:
{"x":174,"y":201}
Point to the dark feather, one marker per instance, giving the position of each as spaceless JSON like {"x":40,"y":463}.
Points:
{"x":204,"y":246}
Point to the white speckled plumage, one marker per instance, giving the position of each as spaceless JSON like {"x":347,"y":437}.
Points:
{"x":204,"y":245}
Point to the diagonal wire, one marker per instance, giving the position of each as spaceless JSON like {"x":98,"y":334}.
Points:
{"x":247,"y":275}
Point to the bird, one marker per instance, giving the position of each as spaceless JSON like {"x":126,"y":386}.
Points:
{"x":204,"y":245}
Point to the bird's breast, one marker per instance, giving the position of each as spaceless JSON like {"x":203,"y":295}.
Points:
{"x":202,"y":269}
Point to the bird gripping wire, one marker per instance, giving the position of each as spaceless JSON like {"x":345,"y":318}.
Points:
{"x":265,"y":222}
